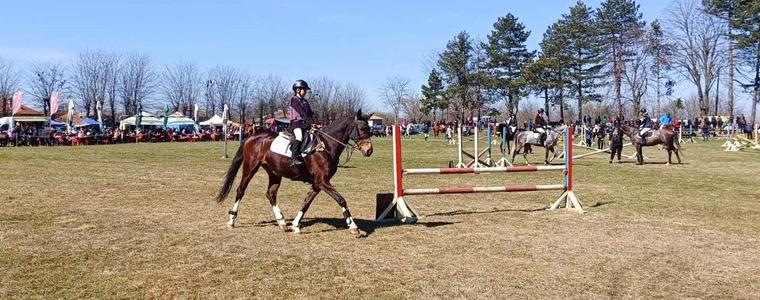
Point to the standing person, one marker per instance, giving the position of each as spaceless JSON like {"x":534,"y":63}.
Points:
{"x":706,"y":129}
{"x":616,"y":143}
{"x":601,"y":134}
{"x":449,"y":138}
{"x":301,"y":119}
{"x":665,"y":120}
{"x":425,"y":130}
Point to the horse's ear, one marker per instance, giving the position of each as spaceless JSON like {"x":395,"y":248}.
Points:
{"x":359,"y":114}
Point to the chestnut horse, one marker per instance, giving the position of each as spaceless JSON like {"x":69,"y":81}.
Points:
{"x":665,"y":137}
{"x":317,"y":169}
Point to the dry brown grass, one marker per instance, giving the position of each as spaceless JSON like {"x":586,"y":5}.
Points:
{"x":138,"y":221}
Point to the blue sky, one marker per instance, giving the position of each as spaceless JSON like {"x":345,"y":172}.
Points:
{"x":358,"y":41}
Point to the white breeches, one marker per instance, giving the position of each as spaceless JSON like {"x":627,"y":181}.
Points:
{"x":298,"y":132}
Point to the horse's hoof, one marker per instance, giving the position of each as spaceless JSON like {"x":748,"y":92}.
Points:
{"x":230,"y":225}
{"x":356,"y":232}
{"x":296,"y":230}
{"x":284,"y":227}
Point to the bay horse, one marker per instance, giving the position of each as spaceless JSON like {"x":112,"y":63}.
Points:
{"x":664,"y":136}
{"x":317,"y":170}
{"x":526,"y":138}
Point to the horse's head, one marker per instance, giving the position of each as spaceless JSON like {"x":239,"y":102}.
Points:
{"x":361,"y":134}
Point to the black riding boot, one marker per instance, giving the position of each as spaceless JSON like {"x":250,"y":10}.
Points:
{"x":295,"y":153}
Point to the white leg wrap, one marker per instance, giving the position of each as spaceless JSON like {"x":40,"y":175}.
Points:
{"x":235,"y":209}
{"x":277,"y":212}
{"x":349,"y":221}
{"x":297,"y":220}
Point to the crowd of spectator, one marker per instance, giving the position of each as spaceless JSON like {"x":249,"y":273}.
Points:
{"x":32,"y":136}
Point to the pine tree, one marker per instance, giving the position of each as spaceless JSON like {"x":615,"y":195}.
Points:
{"x":748,"y":42}
{"x":454,"y":64}
{"x":556,"y":58}
{"x":660,"y":51}
{"x":619,"y":24}
{"x":727,"y":11}
{"x":507,"y":56}
{"x":582,"y":43}
{"x":432,"y":94}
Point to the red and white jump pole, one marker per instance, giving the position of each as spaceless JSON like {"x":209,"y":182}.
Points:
{"x":567,"y":199}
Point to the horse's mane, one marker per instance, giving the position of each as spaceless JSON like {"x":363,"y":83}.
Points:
{"x":338,"y":125}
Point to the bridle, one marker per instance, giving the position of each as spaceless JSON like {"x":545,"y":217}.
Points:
{"x":353,"y":137}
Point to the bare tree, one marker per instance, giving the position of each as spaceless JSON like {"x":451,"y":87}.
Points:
{"x":352,"y":98}
{"x":412,"y":108}
{"x":180,"y":85}
{"x":44,"y":79}
{"x":272,"y":95}
{"x":393,"y":93}
{"x":90,"y":79}
{"x":635,"y":71}
{"x":698,"y":49}
{"x":9,"y":83}
{"x":111,"y":71}
{"x":245,"y":96}
{"x":137,"y":82}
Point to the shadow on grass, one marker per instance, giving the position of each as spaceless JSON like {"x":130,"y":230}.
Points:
{"x":338,"y":224}
{"x":601,"y":203}
{"x":465,"y":212}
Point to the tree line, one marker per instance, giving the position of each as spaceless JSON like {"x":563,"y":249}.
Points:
{"x":124,"y":83}
{"x":590,"y":56}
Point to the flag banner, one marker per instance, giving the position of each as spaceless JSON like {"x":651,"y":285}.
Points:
{"x":55,"y":101}
{"x":224,"y":119}
{"x":16,"y":105}
{"x":100,"y":116}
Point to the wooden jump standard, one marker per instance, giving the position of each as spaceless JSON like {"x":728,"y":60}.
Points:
{"x":407,"y":215}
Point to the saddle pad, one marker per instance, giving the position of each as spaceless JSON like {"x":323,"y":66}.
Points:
{"x":281,"y":145}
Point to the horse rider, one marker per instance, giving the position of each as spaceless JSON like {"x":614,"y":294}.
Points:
{"x":301,"y":119}
{"x":512,"y":124}
{"x":665,"y":120}
{"x":645,"y":124}
{"x":539,"y":124}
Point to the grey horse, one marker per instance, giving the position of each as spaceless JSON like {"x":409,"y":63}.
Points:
{"x":525,"y":139}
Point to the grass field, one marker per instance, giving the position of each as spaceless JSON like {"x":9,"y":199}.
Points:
{"x":139,"y":221}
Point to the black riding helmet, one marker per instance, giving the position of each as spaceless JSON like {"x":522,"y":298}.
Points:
{"x":300,"y":84}
{"x":540,"y":110}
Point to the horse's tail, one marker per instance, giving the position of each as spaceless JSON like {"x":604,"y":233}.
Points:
{"x":231,"y":173}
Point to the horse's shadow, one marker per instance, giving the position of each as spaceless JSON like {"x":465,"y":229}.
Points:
{"x":337,"y":224}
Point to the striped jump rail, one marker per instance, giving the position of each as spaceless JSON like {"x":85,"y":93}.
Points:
{"x":406,"y":214}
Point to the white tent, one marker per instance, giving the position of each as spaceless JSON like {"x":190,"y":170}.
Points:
{"x":5,"y":123}
{"x":178,"y":119}
{"x":147,"y":120}
{"x":215,"y":120}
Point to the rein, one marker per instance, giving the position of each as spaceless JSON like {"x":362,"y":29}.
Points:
{"x":348,"y":145}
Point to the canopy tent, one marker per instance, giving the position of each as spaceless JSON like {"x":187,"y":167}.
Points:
{"x":147,"y":120}
{"x":5,"y":123}
{"x":54,"y":123}
{"x":178,"y":119}
{"x":87,"y":122}
{"x":215,"y":120}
